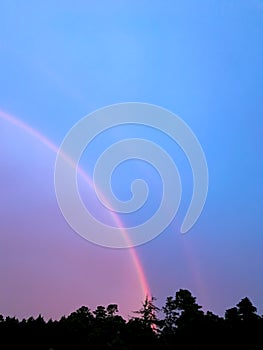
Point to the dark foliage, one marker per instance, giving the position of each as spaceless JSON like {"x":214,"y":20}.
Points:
{"x":183,"y":326}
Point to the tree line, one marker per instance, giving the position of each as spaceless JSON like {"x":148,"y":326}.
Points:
{"x":179,"y":324}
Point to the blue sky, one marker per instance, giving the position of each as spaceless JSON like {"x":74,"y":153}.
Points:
{"x":59,"y":61}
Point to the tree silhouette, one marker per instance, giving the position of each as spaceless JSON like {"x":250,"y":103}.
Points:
{"x":171,"y":313}
{"x":149,"y":312}
{"x":100,"y":313}
{"x":184,"y":326}
{"x":232,"y":316}
{"x":112,"y":310}
{"x":187,"y":307}
{"x":246,"y":310}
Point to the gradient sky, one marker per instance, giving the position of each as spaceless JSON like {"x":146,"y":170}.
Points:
{"x":60,"y":61}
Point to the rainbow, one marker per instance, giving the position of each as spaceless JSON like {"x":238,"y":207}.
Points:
{"x":145,"y":289}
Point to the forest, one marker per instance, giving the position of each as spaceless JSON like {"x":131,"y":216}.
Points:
{"x":179,"y":324}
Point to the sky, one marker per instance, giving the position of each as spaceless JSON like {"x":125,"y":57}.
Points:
{"x":60,"y":61}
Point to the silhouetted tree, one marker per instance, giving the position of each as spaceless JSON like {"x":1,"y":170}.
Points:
{"x":187,"y":307}
{"x":148,"y":312}
{"x":100,"y":313}
{"x":112,"y":309}
{"x":171,"y":313}
{"x":232,"y":316}
{"x":243,"y":325}
{"x":246,"y":310}
{"x":184,"y":326}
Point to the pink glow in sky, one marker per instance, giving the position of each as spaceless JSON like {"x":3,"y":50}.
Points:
{"x":47,"y":265}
